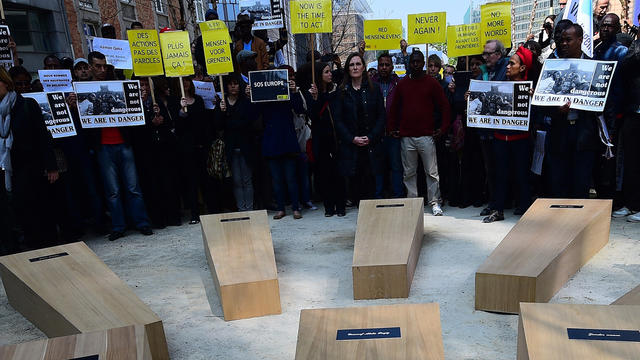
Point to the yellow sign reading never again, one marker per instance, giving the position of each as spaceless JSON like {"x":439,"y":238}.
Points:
{"x":145,"y":52}
{"x":176,"y":53}
{"x":428,"y":28}
{"x":463,"y":40}
{"x":495,"y":23}
{"x":217,"y":49}
{"x":311,"y":16}
{"x":382,"y":34}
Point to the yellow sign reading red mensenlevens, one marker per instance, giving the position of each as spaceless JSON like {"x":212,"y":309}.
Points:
{"x":382,"y":34}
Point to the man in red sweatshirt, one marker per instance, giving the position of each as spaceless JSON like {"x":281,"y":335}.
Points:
{"x":411,"y":118}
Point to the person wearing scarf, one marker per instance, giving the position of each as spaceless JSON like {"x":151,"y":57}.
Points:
{"x":511,"y":150}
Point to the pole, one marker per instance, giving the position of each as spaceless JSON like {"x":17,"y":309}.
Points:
{"x":466,"y":60}
{"x":1,"y":10}
{"x":313,"y":59}
{"x":184,"y":109}
{"x":221,"y":87}
{"x":533,"y":16}
{"x":153,"y":94}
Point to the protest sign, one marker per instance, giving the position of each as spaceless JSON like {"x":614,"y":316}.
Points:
{"x":217,"y":50}
{"x":176,"y":53}
{"x":311,"y":16}
{"x":117,"y":52}
{"x":56,"y":80}
{"x":495,"y":23}
{"x":109,"y":103}
{"x":382,"y":34}
{"x":499,"y":105}
{"x":269,"y":85}
{"x":463,"y":40}
{"x":55,"y":112}
{"x":145,"y":52}
{"x":207,"y":92}
{"x":267,"y":14}
{"x":427,"y":28}
{"x":6,"y":55}
{"x":585,"y":83}
{"x":580,"y":12}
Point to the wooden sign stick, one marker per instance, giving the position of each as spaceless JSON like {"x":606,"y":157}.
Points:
{"x":184,"y":109}
{"x":221,"y":87}
{"x":313,"y":59}
{"x":467,"y":62}
{"x":153,"y":94}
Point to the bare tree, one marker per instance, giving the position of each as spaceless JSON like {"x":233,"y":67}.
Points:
{"x":345,"y":27}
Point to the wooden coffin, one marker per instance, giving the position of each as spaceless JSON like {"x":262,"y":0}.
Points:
{"x":578,"y":332}
{"x":409,"y":331}
{"x":552,"y":241}
{"x":66,"y":290}
{"x":630,"y":298}
{"x":125,"y":343}
{"x":387,"y":246}
{"x":240,"y":255}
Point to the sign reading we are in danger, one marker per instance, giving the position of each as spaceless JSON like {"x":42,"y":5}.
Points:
{"x":311,"y":16}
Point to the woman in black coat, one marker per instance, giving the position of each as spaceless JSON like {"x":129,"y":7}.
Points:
{"x":360,"y":122}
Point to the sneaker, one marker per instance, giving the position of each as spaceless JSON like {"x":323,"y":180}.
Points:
{"x":486,"y":211}
{"x":115,"y":235}
{"x":146,"y":231}
{"x":634,"y":218}
{"x":495,"y":216}
{"x":622,"y":212}
{"x":436,"y":210}
{"x":309,"y":205}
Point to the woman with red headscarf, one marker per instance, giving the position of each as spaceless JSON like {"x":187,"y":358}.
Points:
{"x":511,"y":150}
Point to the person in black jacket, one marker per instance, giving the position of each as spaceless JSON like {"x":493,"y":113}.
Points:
{"x":27,"y":162}
{"x":360,"y":123}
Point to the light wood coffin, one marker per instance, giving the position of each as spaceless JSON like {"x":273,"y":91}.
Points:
{"x":630,"y":298}
{"x":544,"y":332}
{"x":241,"y":259}
{"x":410,"y":331}
{"x":552,"y":241}
{"x":125,"y":343}
{"x":387,"y":246}
{"x":66,"y":290}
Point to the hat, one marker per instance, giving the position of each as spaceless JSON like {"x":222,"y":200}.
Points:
{"x":211,"y":12}
{"x":246,"y":54}
{"x":244,"y":18}
{"x":165,"y":29}
{"x":526,"y":58}
{"x":78,"y":61}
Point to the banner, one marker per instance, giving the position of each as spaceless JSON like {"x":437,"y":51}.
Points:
{"x":636,"y":12}
{"x":55,"y":112}
{"x":145,"y":52}
{"x":495,"y":23}
{"x":585,"y":83}
{"x":207,"y":92}
{"x":217,"y":49}
{"x":176,"y":53}
{"x":464,"y":40}
{"x":581,"y":12}
{"x":382,"y":34}
{"x":269,"y":85}
{"x":6,"y":56}
{"x":267,"y":14}
{"x":109,"y":103}
{"x":117,"y":52}
{"x":311,"y":16}
{"x":499,"y":105}
{"x":56,"y":80}
{"x":428,"y":28}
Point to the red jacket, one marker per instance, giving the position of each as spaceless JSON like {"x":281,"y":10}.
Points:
{"x":413,"y":105}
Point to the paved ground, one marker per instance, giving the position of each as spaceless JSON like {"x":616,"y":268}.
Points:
{"x":169,"y":272}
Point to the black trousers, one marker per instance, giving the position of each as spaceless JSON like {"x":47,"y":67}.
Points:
{"x":331,"y":184}
{"x":631,"y":178}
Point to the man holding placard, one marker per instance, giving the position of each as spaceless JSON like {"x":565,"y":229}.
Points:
{"x":249,"y":42}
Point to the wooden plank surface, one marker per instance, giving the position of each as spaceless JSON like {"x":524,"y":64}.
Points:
{"x":387,"y":245}
{"x":630,"y":298}
{"x":125,"y":343}
{"x":420,"y":333}
{"x":552,"y":241}
{"x":240,"y":253}
{"x":543,"y":331}
{"x":67,"y":289}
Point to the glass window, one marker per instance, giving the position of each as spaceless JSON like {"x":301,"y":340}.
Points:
{"x":30,"y":29}
{"x":86,"y":4}
{"x":128,"y":9}
{"x":160,"y":6}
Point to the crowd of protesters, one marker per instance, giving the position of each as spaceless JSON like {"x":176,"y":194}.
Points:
{"x":350,"y":135}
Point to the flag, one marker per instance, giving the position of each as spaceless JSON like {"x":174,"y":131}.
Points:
{"x":581,"y":12}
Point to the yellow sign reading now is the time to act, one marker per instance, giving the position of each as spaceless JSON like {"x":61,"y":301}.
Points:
{"x":382,"y":34}
{"x":311,"y":16}
{"x":430,"y":28}
{"x":176,"y":53}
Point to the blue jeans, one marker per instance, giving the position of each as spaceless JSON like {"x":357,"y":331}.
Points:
{"x":283,"y":170}
{"x":394,"y":160}
{"x":118,"y":167}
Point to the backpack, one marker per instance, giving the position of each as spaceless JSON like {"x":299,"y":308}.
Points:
{"x":217,"y":165}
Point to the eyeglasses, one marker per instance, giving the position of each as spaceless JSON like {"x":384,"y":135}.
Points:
{"x":489,"y":53}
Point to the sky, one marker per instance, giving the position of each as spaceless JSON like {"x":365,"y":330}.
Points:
{"x":399,"y":9}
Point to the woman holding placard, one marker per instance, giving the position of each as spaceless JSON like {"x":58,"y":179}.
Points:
{"x":360,"y":121}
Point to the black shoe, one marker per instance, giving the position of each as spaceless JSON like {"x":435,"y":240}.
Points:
{"x":495,"y":216}
{"x":486,"y":211}
{"x":193,"y":222}
{"x":146,"y":230}
{"x":328,"y":214}
{"x":115,"y":235}
{"x":341,"y":214}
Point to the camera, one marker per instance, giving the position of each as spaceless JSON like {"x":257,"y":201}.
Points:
{"x":632,"y":29}
{"x":547,"y":26}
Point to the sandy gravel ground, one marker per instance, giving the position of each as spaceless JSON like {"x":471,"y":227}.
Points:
{"x":169,"y":272}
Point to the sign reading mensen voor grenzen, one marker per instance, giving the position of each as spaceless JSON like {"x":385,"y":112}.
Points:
{"x":269,"y":85}
{"x":216,"y":45}
{"x":109,"y":103}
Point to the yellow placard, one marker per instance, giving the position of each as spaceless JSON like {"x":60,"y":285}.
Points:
{"x":212,"y":25}
{"x":311,"y":16}
{"x":430,"y":28}
{"x":176,"y":53}
{"x":464,"y":40}
{"x":217,"y":49}
{"x":382,"y":34}
{"x":145,"y":52}
{"x":495,"y":23}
